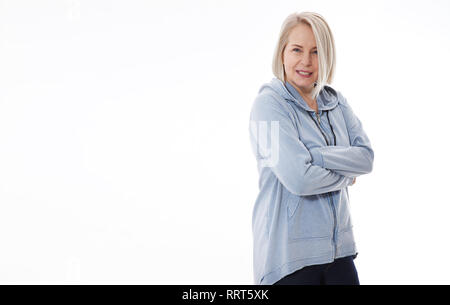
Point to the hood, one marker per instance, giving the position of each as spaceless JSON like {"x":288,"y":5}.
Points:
{"x":327,"y":99}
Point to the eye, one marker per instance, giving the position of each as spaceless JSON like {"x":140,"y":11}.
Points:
{"x":315,"y":52}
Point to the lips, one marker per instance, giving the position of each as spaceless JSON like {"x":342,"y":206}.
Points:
{"x":304,"y":74}
{"x":304,"y":71}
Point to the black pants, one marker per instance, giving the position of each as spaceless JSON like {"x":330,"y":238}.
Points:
{"x":340,"y":272}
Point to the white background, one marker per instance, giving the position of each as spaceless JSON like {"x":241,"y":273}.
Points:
{"x":124,"y":146}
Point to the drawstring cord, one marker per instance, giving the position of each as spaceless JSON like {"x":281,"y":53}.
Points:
{"x":331,"y":128}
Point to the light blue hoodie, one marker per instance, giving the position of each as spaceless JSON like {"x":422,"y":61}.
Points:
{"x":305,"y":162}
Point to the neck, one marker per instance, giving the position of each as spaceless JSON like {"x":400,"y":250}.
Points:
{"x":312,"y":103}
{"x":304,"y":92}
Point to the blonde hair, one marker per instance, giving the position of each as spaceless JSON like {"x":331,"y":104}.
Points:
{"x":325,"y":48}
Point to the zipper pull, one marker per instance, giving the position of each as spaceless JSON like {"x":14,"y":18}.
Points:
{"x":318,"y":117}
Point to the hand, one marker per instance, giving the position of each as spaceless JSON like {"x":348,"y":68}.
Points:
{"x":354,"y":180}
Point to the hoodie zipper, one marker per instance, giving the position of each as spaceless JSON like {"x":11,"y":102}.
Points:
{"x":334,"y":225}
{"x":329,"y":196}
{"x":318,"y":126}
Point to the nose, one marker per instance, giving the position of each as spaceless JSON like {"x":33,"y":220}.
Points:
{"x":306,"y":60}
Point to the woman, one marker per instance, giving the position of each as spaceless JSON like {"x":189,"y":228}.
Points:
{"x":309,"y":147}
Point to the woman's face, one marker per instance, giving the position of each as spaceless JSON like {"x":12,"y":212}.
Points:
{"x":300,"y":54}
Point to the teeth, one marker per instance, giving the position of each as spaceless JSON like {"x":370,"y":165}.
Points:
{"x":304,"y":73}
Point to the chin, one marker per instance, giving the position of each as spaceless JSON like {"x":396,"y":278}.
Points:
{"x":304,"y":83}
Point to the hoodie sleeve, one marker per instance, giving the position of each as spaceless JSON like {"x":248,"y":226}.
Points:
{"x":276,"y":145}
{"x":351,"y":161}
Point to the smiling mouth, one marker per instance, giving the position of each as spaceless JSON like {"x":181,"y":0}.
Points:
{"x":303,"y":72}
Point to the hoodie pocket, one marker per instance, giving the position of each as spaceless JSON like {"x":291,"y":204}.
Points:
{"x":293,"y":203}
{"x":308,"y":217}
